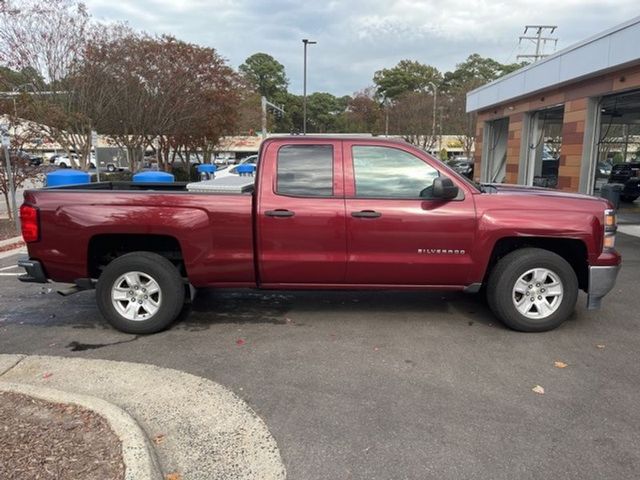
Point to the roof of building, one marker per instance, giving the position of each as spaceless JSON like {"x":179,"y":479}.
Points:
{"x":612,"y":49}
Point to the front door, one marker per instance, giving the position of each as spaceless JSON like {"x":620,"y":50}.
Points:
{"x":397,"y":234}
{"x":300,"y":214}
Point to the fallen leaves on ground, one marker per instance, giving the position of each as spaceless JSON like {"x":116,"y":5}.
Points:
{"x":560,"y":365}
{"x":173,"y":476}
{"x":158,"y":439}
{"x":538,"y":389}
{"x":600,"y":346}
{"x":240,"y":342}
{"x":47,"y":374}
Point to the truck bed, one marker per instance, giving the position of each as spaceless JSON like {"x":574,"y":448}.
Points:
{"x":213,"y":231}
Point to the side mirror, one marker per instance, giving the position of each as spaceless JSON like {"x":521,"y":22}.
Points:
{"x":444,"y":188}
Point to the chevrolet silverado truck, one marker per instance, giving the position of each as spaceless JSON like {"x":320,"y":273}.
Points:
{"x":323,"y":213}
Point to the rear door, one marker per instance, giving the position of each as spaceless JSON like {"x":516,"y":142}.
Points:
{"x":397,"y":235}
{"x":301,"y":232}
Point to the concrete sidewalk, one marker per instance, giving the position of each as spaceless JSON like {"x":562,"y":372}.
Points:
{"x":199,"y":429}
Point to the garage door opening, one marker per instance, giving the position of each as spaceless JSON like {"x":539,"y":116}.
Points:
{"x":544,"y":140}
{"x":618,"y":142}
{"x":494,"y":168}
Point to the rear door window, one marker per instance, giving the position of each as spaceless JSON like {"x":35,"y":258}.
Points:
{"x":305,"y":171}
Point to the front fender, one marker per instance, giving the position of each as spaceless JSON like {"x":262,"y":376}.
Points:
{"x":497,"y":224}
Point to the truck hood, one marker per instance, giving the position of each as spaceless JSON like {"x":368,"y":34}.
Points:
{"x":508,"y":189}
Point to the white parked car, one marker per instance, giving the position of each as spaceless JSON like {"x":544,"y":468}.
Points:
{"x":63,"y":161}
{"x":231,"y":170}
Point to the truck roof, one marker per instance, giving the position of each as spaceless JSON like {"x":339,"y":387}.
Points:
{"x":367,"y":137}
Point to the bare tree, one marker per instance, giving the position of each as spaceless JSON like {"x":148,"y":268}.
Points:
{"x":411,"y":116}
{"x":49,"y":39}
{"x":21,"y":168}
{"x":160,"y":89}
{"x":364,"y":114}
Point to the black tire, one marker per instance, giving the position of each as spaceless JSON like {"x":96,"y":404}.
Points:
{"x":62,"y":165}
{"x":165,"y":274}
{"x":111,"y":168}
{"x":509,"y":269}
{"x":628,"y":198}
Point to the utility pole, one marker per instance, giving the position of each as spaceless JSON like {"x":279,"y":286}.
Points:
{"x":440,"y":109}
{"x":434,"y":87}
{"x":265,"y":105}
{"x":539,"y":40}
{"x":264,"y":117}
{"x":306,"y":42}
{"x":94,"y":144}
{"x":386,"y":119}
{"x":6,"y":143}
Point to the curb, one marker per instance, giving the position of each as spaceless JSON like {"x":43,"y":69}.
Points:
{"x":137,"y":454}
{"x":10,"y":241}
{"x":20,"y":248}
{"x":628,"y":229}
{"x":201,"y":430}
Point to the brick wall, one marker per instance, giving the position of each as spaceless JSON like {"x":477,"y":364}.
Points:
{"x":575,"y":112}
{"x":513,"y":147}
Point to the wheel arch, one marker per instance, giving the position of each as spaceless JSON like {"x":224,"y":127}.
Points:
{"x":104,"y":248}
{"x":573,"y":250}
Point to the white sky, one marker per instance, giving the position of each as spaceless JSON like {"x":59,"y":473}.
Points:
{"x":356,"y":38}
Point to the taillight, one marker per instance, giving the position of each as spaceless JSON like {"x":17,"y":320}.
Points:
{"x":30,"y":223}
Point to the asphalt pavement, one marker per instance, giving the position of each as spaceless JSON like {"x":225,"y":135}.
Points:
{"x":388,"y":385}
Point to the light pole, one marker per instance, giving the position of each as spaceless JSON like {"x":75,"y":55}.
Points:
{"x":306,"y":42}
{"x":434,"y":87}
{"x":386,"y":116}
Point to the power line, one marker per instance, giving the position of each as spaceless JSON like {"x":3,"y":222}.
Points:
{"x":539,"y":41}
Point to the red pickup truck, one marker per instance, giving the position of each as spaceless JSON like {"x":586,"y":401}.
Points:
{"x":324,"y":213}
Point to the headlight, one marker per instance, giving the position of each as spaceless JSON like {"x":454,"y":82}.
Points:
{"x":610,"y":227}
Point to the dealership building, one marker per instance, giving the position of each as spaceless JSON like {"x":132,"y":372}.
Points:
{"x":563,"y":121}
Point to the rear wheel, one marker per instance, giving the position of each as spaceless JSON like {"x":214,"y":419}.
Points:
{"x":111,"y":168}
{"x":628,"y":198}
{"x":532,"y":290}
{"x":140,"y":292}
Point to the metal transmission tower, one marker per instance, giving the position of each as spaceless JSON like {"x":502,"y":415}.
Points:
{"x":539,"y":40}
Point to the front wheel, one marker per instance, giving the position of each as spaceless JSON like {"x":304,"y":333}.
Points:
{"x":532,"y":290}
{"x":140,"y":292}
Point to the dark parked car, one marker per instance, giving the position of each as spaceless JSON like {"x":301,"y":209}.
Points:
{"x":628,"y":174}
{"x":35,"y":161}
{"x":32,"y":160}
{"x":463,"y":166}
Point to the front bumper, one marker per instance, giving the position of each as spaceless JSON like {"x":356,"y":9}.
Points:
{"x":601,"y":281}
{"x":35,"y":272}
